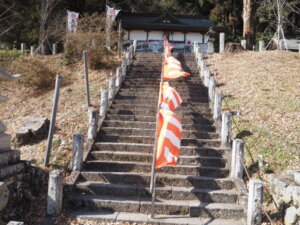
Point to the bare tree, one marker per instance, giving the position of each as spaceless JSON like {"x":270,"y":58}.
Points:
{"x":45,"y":11}
{"x":7,"y":17}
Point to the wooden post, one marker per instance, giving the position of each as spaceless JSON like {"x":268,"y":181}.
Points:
{"x":54,"y":48}
{"x":103,"y":103}
{"x":86,"y":76}
{"x":55,"y":193}
{"x":78,"y":148}
{"x":212,"y":89}
{"x":93,"y":123}
{"x":237,"y":159}
{"x":32,"y":50}
{"x":112,"y":87}
{"x":118,"y":77}
{"x":244,"y":44}
{"x":261,"y":46}
{"x":226,"y":129}
{"x":222,"y":42}
{"x":255,"y":202}
{"x":53,"y":118}
{"x":218,"y":106}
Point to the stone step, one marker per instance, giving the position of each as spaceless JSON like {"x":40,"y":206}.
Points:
{"x":151,"y":95}
{"x":132,"y":97}
{"x":162,"y":179}
{"x":152,"y":125}
{"x":118,"y":166}
{"x":148,"y":148}
{"x":11,"y":170}
{"x":151,"y":132}
{"x":110,"y":156}
{"x":150,"y":140}
{"x":138,"y":116}
{"x":169,"y":207}
{"x":153,"y":103}
{"x":9,"y":157}
{"x":103,"y":217}
{"x":166,"y":193}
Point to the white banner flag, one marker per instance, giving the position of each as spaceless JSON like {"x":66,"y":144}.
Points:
{"x":111,"y":13}
{"x":72,"y":21}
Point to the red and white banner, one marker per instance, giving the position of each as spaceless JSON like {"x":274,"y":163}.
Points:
{"x":167,"y":48}
{"x":72,"y":20}
{"x":111,"y":14}
{"x":173,"y":69}
{"x":169,"y":137}
{"x":170,"y":99}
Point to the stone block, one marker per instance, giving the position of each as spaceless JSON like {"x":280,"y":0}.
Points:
{"x":15,"y":223}
{"x":5,"y":142}
{"x":32,"y":129}
{"x":295,"y":193}
{"x":291,"y":216}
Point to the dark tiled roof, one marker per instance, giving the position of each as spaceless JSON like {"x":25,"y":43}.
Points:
{"x":167,"y":21}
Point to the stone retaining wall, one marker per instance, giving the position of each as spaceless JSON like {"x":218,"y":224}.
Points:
{"x":286,"y":193}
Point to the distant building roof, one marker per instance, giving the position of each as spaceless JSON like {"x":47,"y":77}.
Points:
{"x":167,"y":21}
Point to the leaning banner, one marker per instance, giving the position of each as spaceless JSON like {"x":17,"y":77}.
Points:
{"x":72,"y":18}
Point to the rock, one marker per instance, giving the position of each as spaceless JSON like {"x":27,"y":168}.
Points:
{"x":32,"y":129}
{"x":291,"y":216}
{"x":295,"y":192}
{"x":5,"y":142}
{"x":2,"y":127}
{"x":233,"y":47}
{"x":4,"y":195}
{"x":297,"y":177}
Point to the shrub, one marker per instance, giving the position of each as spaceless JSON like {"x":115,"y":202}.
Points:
{"x":90,"y":35}
{"x":35,"y":74}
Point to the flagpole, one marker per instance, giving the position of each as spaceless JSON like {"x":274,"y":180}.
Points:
{"x":153,"y":172}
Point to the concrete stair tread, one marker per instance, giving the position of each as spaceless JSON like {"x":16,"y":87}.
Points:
{"x":140,"y":129}
{"x":9,"y":156}
{"x":107,"y":216}
{"x":11,"y":169}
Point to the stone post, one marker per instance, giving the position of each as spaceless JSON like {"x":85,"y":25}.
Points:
{"x":261,"y":46}
{"x":112,"y":87}
{"x":127,"y":56}
{"x":124,"y":67}
{"x":222,"y":42}
{"x":255,"y":202}
{"x":299,"y":47}
{"x":196,"y":46}
{"x":237,"y":159}
{"x":134,"y":45}
{"x":78,"y":148}
{"x":212,"y":89}
{"x":103,"y":103}
{"x":226,"y":129}
{"x":261,"y":162}
{"x":93,"y":123}
{"x":54,"y":48}
{"x":243,"y":43}
{"x":207,"y":75}
{"x":202,"y":68}
{"x":118,"y":77}
{"x":55,"y":193}
{"x":218,"y":106}
{"x":210,"y":46}
{"x":23,"y":46}
{"x":32,"y":50}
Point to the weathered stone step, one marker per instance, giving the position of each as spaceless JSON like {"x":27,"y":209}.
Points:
{"x":150,"y":103}
{"x":151,"y":132}
{"x":154,"y":95}
{"x":9,"y":157}
{"x":97,"y":165}
{"x":152,"y":125}
{"x":166,"y":193}
{"x":185,"y":119}
{"x":162,"y":180}
{"x":150,"y":140}
{"x":147,"y":157}
{"x":116,"y":217}
{"x":11,"y":170}
{"x":169,"y":207}
{"x":133,"y":97}
{"x":148,"y":148}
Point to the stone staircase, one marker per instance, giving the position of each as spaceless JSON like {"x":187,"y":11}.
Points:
{"x":10,"y":164}
{"x":114,"y":184}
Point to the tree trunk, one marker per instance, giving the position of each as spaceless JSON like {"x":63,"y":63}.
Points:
{"x":249,"y":12}
{"x":43,"y":47}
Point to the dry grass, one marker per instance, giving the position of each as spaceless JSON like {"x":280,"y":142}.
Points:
{"x":264,"y":87}
{"x":72,"y":110}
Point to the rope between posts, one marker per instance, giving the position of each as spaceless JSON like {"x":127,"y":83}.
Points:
{"x":244,"y":166}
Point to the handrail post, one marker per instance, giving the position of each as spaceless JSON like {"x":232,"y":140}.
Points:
{"x":226,"y":129}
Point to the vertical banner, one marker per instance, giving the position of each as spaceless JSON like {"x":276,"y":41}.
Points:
{"x":72,"y":20}
{"x":111,"y":14}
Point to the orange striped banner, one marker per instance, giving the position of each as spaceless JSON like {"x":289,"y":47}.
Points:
{"x":170,"y":99}
{"x":173,"y":69}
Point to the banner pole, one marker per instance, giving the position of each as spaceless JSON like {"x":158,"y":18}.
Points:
{"x":153,"y":172}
